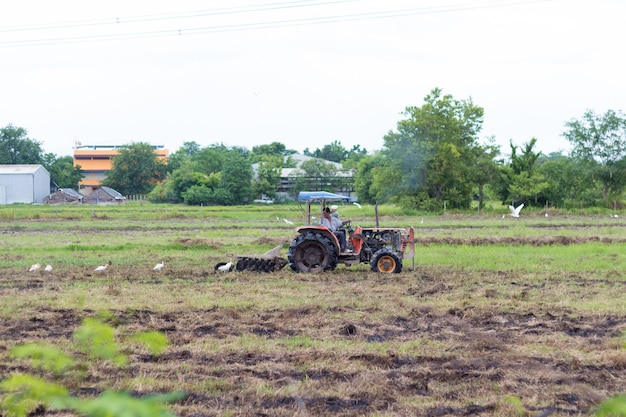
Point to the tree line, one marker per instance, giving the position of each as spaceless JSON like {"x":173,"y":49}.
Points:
{"x":433,"y":156}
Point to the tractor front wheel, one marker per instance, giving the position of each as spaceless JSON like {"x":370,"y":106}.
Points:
{"x":386,"y":261}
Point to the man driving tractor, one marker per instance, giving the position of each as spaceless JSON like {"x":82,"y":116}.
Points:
{"x":335,"y":224}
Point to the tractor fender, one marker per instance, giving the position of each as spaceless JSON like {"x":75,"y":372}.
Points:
{"x":319,"y":229}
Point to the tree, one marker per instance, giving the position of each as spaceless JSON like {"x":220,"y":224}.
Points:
{"x":601,"y":138}
{"x":336,"y":152}
{"x":236,"y":179}
{"x":484,"y":168}
{"x":273,"y":149}
{"x":268,"y":175}
{"x":183,"y":155}
{"x":331,"y":152}
{"x":431,"y":151}
{"x":520,"y":180}
{"x":62,"y":171}
{"x":17,"y":148}
{"x":136,"y":170}
{"x":364,"y":178}
{"x":570,"y":180}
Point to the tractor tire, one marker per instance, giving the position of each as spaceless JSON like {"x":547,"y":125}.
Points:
{"x":386,"y":261}
{"x":312,"y":253}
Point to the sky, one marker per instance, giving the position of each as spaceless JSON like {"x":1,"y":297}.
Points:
{"x":304,"y":73}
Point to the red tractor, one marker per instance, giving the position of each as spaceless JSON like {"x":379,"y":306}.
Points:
{"x":317,"y":249}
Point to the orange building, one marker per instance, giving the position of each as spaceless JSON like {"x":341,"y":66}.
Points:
{"x":96,"y":160}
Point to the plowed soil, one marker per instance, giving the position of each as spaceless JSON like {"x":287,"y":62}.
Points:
{"x":379,"y":345}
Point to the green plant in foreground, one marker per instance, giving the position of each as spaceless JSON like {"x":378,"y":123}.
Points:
{"x":23,"y":393}
{"x":613,"y":407}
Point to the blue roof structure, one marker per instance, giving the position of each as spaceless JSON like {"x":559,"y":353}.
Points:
{"x":321,"y":195}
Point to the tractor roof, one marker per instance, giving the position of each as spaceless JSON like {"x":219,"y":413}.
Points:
{"x":321,"y":196}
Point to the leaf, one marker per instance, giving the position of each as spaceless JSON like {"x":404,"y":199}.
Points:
{"x":44,"y":356}
{"x":25,"y":392}
{"x":155,"y":341}
{"x":119,"y":404}
{"x":613,"y":407}
{"x":97,"y":339}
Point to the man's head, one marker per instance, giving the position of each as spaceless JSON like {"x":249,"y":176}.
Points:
{"x":326,"y":212}
{"x":333,"y":208}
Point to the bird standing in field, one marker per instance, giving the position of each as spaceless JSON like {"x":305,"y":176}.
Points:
{"x":34,"y":268}
{"x":158,"y":266}
{"x":103,"y":267}
{"x":356,"y":204}
{"x":48,"y":268}
{"x":224,"y":267}
{"x":287,"y":221}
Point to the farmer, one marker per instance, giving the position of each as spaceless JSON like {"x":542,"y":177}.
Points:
{"x":335,"y":224}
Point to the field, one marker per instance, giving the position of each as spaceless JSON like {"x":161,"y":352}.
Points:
{"x":494,"y":316}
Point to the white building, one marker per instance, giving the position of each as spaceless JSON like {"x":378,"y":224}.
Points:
{"x":23,"y":184}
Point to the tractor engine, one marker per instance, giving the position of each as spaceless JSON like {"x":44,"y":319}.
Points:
{"x":375,"y":240}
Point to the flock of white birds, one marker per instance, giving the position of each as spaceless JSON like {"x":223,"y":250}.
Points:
{"x":100,"y":268}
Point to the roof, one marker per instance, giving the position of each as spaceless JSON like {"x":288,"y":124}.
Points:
{"x":20,"y":169}
{"x":110,"y":191}
{"x":72,"y":193}
{"x":321,"y":195}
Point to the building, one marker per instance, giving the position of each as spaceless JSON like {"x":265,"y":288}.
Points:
{"x":23,"y":184}
{"x":64,"y":196}
{"x":104,"y":195}
{"x":341,"y":183}
{"x":96,"y":160}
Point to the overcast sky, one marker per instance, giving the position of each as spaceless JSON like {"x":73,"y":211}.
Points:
{"x":304,"y":73}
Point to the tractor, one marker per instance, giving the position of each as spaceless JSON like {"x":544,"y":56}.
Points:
{"x":317,"y":248}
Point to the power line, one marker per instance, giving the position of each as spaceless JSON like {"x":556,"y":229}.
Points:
{"x":251,"y":26}
{"x":174,"y":16}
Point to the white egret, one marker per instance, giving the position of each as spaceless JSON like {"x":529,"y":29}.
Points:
{"x":515,"y":210}
{"x":158,"y":266}
{"x":103,"y":267}
{"x":356,"y":204}
{"x":224,"y":267}
{"x":287,"y":221}
{"x":48,"y":268}
{"x":34,"y":268}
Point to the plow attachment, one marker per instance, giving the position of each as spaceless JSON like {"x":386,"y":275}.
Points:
{"x":270,"y":261}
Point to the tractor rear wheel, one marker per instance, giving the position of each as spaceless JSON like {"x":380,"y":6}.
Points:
{"x":312,"y":252}
{"x":386,"y":261}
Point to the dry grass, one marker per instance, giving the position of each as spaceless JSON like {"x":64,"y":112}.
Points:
{"x":465,"y":339}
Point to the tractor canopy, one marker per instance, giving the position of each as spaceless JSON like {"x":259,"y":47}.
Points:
{"x":321,"y":197}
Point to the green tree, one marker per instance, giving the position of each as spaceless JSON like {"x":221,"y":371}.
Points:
{"x":484,"y":168}
{"x":236,"y":179}
{"x":273,"y":149}
{"x":354,"y":156}
{"x":317,"y":168}
{"x":62,"y":171}
{"x":570,"y":181}
{"x":136,"y":170}
{"x":601,"y":138}
{"x":333,"y":151}
{"x":336,"y":152}
{"x":520,"y":179}
{"x":183,"y":155}
{"x":211,"y":158}
{"x":268,"y":175}
{"x":17,"y":148}
{"x":431,"y":150}
{"x":364,"y":178}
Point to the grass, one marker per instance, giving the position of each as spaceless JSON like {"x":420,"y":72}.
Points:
{"x":513,"y":315}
